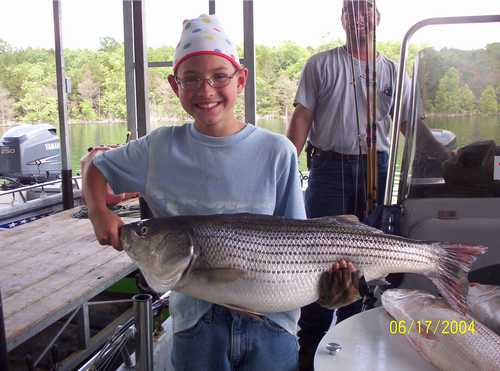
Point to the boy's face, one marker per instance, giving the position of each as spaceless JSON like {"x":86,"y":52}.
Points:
{"x":211,"y":106}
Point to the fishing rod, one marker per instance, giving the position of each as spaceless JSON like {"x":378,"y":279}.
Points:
{"x":371,"y":109}
{"x":355,"y":42}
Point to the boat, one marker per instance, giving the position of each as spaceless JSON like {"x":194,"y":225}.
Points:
{"x":445,"y":137}
{"x":30,"y":169}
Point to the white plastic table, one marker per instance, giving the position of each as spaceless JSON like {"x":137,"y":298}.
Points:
{"x":367,"y":345}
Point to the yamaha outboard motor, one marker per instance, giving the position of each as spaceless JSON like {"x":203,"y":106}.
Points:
{"x":30,"y":153}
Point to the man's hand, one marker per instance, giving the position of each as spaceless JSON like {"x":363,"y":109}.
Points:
{"x":339,"y":286}
{"x":107,"y":228}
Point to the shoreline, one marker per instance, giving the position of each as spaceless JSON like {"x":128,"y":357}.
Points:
{"x":263,"y":117}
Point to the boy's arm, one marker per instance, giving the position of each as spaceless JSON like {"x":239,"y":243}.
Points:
{"x":106,"y":224}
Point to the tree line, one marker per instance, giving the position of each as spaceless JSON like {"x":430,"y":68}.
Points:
{"x":455,"y":81}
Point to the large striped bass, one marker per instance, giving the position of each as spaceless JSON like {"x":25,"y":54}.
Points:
{"x":449,"y":340}
{"x":272,"y":264}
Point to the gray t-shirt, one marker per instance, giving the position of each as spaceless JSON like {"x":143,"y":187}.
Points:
{"x":326,"y":89}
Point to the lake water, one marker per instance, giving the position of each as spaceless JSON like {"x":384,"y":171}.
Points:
{"x":467,"y":130}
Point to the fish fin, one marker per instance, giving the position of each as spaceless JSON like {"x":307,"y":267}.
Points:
{"x":454,"y":262}
{"x":378,"y":282}
{"x":246,"y":311}
{"x":350,"y":221}
{"x":220,"y":274}
{"x":187,"y":272}
{"x":349,"y":218}
{"x":374,"y":277}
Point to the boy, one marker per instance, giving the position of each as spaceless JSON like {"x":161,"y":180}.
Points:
{"x":216,"y":165}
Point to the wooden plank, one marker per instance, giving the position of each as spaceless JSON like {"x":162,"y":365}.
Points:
{"x":24,"y":248}
{"x":70,"y":275}
{"x":50,"y":267}
{"x":18,"y":277}
{"x":41,"y":226}
{"x":43,"y":235}
{"x":22,"y":324}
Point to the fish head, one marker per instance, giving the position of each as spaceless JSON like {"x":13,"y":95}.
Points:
{"x":162,"y":250}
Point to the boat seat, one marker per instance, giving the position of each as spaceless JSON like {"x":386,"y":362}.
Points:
{"x":473,"y":221}
{"x":475,"y":231}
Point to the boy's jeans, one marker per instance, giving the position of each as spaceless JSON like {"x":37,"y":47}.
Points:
{"x":224,"y":340}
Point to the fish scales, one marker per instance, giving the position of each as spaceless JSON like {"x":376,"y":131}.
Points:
{"x":468,"y":346}
{"x":278,"y":247}
{"x":274,"y":264}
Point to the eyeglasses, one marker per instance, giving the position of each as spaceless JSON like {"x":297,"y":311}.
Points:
{"x":216,"y":81}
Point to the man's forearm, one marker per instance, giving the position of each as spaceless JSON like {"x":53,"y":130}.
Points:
{"x":426,"y":142}
{"x":299,"y":127}
{"x":94,"y":189}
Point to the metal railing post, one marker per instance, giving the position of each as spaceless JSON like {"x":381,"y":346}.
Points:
{"x":144,"y":336}
{"x":4,"y":364}
{"x":62,"y":101}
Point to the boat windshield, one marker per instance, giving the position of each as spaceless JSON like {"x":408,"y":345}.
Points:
{"x":456,"y":94}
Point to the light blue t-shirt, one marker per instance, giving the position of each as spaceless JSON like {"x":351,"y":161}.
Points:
{"x":180,"y":171}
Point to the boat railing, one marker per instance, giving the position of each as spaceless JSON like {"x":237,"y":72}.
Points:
{"x":21,"y":191}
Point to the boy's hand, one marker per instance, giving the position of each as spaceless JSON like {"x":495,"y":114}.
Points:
{"x":339,"y":286}
{"x":107,"y":228}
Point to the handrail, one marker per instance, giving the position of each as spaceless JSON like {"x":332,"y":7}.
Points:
{"x":395,"y":127}
{"x":39,"y":185}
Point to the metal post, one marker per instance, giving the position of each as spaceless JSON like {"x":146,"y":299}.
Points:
{"x":83,"y":322}
{"x":66,"y":173}
{"x":141,"y":65}
{"x":128,"y":42}
{"x":4,"y":364}
{"x":249,"y":61}
{"x":211,"y":7}
{"x":144,"y":336}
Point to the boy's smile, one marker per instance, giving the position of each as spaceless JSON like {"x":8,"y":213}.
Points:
{"x":207,"y":86}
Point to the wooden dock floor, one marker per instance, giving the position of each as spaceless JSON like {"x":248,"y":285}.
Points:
{"x":50,"y":267}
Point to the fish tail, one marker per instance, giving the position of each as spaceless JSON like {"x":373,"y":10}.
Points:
{"x":454,"y":263}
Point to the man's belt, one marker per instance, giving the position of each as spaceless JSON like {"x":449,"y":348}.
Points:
{"x":331,"y":155}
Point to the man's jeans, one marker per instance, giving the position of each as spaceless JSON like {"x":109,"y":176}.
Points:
{"x":224,"y":340}
{"x":335,"y":187}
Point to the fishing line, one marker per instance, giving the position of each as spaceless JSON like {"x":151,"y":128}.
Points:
{"x":352,"y":19}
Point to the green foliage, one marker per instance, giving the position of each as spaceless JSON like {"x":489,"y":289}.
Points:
{"x":108,"y":43}
{"x":6,"y":105}
{"x":448,"y":92}
{"x":488,"y":101}
{"x":87,"y":111}
{"x":467,"y":99}
{"x":452,"y":96}
{"x":27,"y":78}
{"x":5,"y":47}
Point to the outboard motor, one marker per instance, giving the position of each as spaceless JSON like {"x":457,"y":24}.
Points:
{"x":30,"y":153}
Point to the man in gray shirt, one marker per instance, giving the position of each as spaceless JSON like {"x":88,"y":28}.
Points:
{"x":326,"y":113}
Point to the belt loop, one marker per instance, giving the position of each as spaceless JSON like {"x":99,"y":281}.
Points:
{"x":309,"y":150}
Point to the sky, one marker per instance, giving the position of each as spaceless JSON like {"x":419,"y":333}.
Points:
{"x":28,"y":23}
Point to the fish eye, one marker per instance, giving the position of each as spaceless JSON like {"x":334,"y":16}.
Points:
{"x":143,"y":230}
